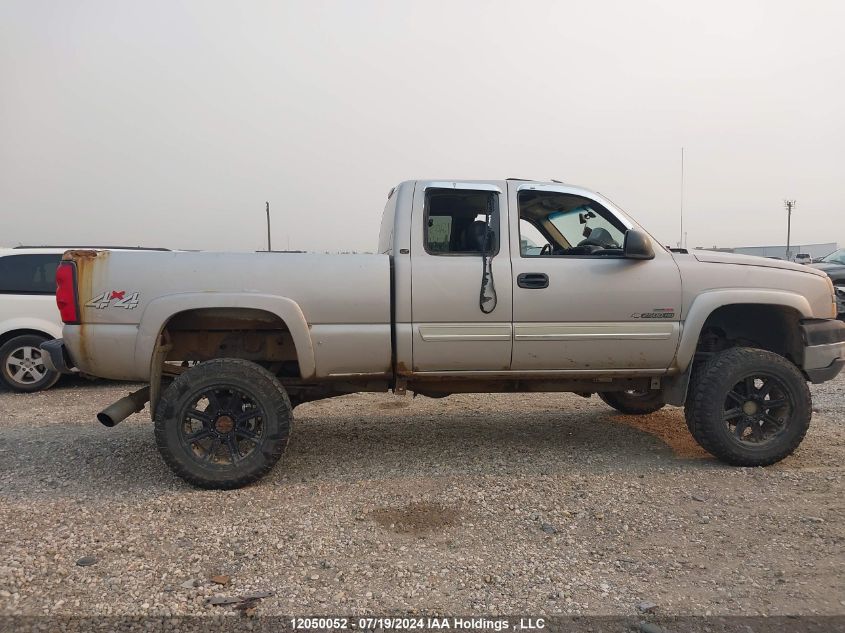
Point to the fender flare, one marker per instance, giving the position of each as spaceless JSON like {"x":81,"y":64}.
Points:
{"x":707,"y":302}
{"x":50,"y":328}
{"x":159,"y":311}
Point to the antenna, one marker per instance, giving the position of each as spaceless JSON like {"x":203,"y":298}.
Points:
{"x":789,"y":204}
{"x":682,"y":236}
{"x":269,"y":248}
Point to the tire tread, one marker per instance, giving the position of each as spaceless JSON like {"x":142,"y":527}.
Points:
{"x":169,"y":404}
{"x":707,"y":390}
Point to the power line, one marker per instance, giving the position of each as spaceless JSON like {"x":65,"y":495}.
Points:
{"x":681,"y":237}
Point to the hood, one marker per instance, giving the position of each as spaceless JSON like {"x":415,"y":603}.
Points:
{"x":835,"y":271}
{"x":829,"y":267}
{"x":716,"y":257}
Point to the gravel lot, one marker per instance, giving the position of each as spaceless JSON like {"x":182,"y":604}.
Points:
{"x":482,"y":504}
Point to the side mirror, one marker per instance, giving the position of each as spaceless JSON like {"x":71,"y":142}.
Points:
{"x":637,"y":245}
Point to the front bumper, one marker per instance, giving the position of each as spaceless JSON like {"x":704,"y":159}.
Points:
{"x":56,"y":357}
{"x":824,"y":348}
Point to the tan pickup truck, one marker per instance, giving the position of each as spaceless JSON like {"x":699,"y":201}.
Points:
{"x":478,"y":286}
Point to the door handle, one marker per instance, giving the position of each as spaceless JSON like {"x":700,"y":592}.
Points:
{"x":532,"y":280}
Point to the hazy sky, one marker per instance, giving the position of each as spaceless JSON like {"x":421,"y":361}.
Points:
{"x":170,"y":123}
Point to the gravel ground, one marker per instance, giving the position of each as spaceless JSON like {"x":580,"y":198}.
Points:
{"x":475,"y":504}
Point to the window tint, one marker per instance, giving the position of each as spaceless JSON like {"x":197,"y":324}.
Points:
{"x":28,"y":274}
{"x":439,"y":233}
{"x":456,"y":222}
{"x":570,"y":224}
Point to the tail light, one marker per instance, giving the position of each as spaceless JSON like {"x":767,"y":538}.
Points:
{"x":66,"y":297}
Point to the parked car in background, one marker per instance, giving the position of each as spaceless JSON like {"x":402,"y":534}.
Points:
{"x":834,"y":266}
{"x":28,"y":315}
{"x":803,"y":258}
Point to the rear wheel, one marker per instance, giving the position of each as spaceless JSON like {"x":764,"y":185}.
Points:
{"x":22,"y":365}
{"x":633,"y":401}
{"x":749,"y":407}
{"x":223,"y":423}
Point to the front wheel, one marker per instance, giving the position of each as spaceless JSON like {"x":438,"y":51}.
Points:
{"x":633,"y":401}
{"x":749,"y":407}
{"x":223,"y":423}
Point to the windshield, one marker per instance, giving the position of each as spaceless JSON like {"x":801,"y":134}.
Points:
{"x":836,"y":257}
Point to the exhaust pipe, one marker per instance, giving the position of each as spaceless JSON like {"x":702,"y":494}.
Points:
{"x":123,"y":408}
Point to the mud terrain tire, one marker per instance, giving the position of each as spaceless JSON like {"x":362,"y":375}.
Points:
{"x":762,"y":395}
{"x":223,"y":423}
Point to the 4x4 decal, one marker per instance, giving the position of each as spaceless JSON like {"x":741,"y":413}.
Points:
{"x":114,"y":299}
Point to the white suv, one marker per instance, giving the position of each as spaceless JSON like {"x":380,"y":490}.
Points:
{"x":28,"y":315}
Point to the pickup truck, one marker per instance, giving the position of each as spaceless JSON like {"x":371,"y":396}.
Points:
{"x":477,"y":286}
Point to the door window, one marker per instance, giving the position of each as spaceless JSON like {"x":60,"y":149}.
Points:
{"x":531,"y":240}
{"x":568,"y":225}
{"x":461,"y":222}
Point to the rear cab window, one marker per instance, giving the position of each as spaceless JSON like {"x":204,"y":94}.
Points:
{"x":461,"y":222}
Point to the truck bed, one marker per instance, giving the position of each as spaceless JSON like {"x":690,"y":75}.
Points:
{"x":125,"y":298}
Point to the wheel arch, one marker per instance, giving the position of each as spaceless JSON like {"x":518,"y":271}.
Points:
{"x":46,"y":329}
{"x":250,"y":309}
{"x":744,"y":309}
{"x":740,"y":309}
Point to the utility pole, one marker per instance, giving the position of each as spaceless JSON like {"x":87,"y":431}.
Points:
{"x":269,"y":248}
{"x":789,"y":204}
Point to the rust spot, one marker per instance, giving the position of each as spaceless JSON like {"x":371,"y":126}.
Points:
{"x":224,"y":424}
{"x":80,"y":254}
{"x":402,"y":369}
{"x":85,"y":261}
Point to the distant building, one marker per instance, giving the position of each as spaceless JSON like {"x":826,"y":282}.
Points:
{"x":814,"y":250}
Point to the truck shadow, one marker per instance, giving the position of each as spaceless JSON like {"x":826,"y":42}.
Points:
{"x":70,"y":460}
{"x":493,"y":444}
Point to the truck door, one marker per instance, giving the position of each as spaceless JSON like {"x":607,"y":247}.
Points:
{"x":578,"y":303}
{"x":455,"y":328}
